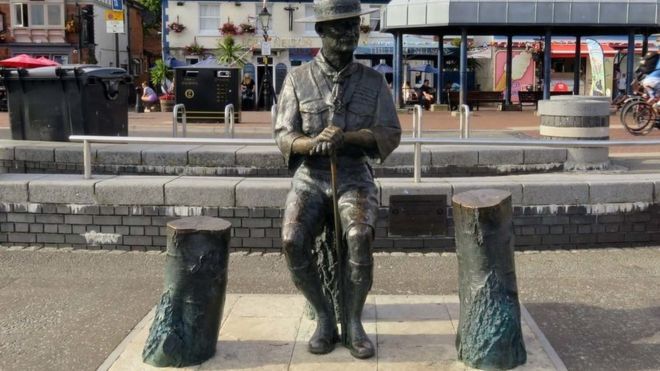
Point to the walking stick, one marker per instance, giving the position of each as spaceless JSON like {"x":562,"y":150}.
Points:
{"x":338,"y":247}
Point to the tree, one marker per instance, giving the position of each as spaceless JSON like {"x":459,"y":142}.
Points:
{"x":152,"y":20}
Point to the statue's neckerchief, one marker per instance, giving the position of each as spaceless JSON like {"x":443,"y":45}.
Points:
{"x":335,"y":82}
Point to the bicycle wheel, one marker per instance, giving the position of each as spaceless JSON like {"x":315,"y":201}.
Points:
{"x":638,"y":118}
{"x":627,"y":103}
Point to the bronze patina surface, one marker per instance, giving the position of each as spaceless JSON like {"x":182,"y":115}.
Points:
{"x":334,"y":111}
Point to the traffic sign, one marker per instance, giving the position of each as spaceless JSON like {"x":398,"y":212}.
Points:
{"x":117,"y":4}
{"x":114,"y":21}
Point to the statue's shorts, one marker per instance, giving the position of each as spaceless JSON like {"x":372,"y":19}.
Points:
{"x":309,"y":203}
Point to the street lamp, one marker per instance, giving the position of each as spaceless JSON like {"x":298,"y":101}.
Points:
{"x":264,"y":20}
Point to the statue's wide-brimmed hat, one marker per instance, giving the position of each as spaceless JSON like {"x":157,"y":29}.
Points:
{"x":330,"y":10}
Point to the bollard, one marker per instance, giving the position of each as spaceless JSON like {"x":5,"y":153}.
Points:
{"x":187,"y":320}
{"x":578,"y":119}
{"x":489,"y":332}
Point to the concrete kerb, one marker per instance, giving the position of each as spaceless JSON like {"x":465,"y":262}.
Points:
{"x":539,"y":189}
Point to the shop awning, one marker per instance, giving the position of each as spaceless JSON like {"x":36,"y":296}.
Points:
{"x":568,"y":50}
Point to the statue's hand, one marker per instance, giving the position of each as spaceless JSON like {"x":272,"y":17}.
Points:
{"x":332,"y":134}
{"x":322,"y":148}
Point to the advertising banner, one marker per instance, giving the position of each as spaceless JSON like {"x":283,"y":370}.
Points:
{"x":597,"y":61}
{"x":522,"y":72}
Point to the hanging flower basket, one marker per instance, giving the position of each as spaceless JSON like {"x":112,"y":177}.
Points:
{"x":246,"y":28}
{"x":194,"y":49}
{"x":176,"y":27}
{"x":365,"y":28}
{"x":71,"y":26}
{"x":229,"y":28}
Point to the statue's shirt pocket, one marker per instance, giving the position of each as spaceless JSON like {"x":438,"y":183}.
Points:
{"x":361,"y":110}
{"x":314,"y":114}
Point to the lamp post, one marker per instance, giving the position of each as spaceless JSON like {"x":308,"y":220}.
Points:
{"x":264,"y":20}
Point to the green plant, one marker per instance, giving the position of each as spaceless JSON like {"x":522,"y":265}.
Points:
{"x":230,"y":52}
{"x":160,"y":73}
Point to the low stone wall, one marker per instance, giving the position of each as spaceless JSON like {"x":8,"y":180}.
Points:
{"x":124,"y":159}
{"x":130,"y":212}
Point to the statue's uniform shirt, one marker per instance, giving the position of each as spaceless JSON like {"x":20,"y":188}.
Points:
{"x":355,"y":98}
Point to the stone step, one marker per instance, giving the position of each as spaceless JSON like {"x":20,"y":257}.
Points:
{"x":35,"y":157}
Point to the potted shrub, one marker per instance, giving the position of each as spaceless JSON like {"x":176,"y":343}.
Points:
{"x":159,"y":75}
{"x":229,"y":28}
{"x":231,"y":53}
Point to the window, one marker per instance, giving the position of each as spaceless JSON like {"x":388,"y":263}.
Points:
{"x":309,"y":26}
{"x":37,"y":16}
{"x":20,"y":15}
{"x":54,"y":15}
{"x":374,"y":18}
{"x":209,"y":18}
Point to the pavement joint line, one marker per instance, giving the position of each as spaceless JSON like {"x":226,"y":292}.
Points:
{"x":545,"y":344}
{"x":116,"y":353}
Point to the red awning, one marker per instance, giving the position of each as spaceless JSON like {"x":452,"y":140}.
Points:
{"x":26,"y":61}
{"x":568,"y":50}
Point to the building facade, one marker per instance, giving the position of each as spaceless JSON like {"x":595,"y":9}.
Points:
{"x":71,"y":32}
{"x":292,"y":43}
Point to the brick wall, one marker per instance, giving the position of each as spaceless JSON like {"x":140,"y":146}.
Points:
{"x":258,"y":229}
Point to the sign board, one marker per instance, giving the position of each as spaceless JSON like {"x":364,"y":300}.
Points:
{"x":265,"y":48}
{"x":114,"y":21}
{"x":418,"y":215}
{"x":117,"y":4}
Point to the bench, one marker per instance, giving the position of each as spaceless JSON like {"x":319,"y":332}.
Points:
{"x":535,"y":96}
{"x":530,"y":97}
{"x":474,"y":98}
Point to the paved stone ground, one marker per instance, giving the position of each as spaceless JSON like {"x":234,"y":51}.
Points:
{"x":600,"y":309}
{"x":270,"y":332}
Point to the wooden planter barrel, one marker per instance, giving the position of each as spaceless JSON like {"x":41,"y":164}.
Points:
{"x":187,"y":320}
{"x":571,"y":118}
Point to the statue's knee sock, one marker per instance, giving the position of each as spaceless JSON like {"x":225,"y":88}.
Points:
{"x":360,"y":269}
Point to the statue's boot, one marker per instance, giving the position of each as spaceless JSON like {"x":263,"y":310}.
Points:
{"x":358,"y":285}
{"x":326,"y":335}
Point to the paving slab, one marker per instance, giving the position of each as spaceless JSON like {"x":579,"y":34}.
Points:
{"x":14,"y":187}
{"x":167,"y":155}
{"x":500,"y":155}
{"x":263,"y":157}
{"x":262,"y":192}
{"x":120,"y":154}
{"x":555,"y":193}
{"x":539,"y":155}
{"x":411,"y":333}
{"x":202,"y":191}
{"x":455,"y":156}
{"x":213,"y":156}
{"x":132,"y":190}
{"x":404,"y":156}
{"x":64,"y":189}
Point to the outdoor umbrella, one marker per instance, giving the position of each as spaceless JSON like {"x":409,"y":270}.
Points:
{"x":26,"y":61}
{"x":427,"y":68}
{"x":383,"y":68}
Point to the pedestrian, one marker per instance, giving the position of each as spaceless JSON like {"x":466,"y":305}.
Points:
{"x":149,"y":97}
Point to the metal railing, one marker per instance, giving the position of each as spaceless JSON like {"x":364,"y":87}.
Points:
{"x":229,"y":120}
{"x":416,"y":140}
{"x":417,"y":134}
{"x":464,"y":121}
{"x":175,"y":120}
